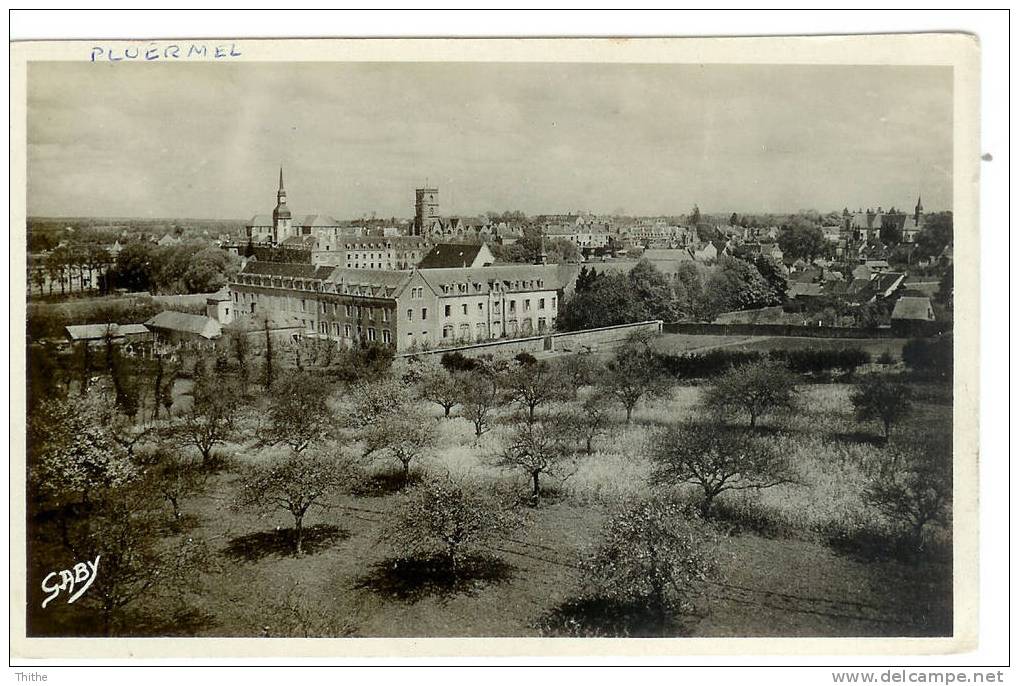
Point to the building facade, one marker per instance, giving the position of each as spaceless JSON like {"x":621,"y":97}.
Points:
{"x":407,"y":310}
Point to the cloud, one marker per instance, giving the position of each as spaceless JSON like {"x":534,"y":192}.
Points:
{"x":207,"y":139}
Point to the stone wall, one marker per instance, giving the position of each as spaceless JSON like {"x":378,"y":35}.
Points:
{"x":570,"y":341}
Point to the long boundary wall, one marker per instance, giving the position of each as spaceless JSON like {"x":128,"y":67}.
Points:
{"x":899,"y":329}
{"x":569,"y":341}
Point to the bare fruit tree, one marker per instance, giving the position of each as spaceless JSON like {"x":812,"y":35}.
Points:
{"x":717,"y":458}
{"x":294,"y":483}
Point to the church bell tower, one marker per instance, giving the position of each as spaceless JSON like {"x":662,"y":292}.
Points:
{"x":281,"y":220}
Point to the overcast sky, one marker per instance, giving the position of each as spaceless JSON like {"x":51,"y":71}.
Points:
{"x":206,"y":140}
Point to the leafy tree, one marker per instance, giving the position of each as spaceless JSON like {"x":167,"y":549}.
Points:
{"x":653,"y":555}
{"x":404,"y":435}
{"x":449,"y":518}
{"x":299,"y":412}
{"x":916,"y":489}
{"x":173,"y":478}
{"x":539,"y":448}
{"x":695,"y":216}
{"x":375,"y":400}
{"x":652,"y":288}
{"x":774,"y":275}
{"x":76,"y":450}
{"x":479,"y":397}
{"x":607,"y":300}
{"x":936,"y":233}
{"x":240,"y":346}
{"x":801,"y":240}
{"x":578,"y":370}
{"x":736,"y":285}
{"x":590,"y":420}
{"x":437,"y":385}
{"x":209,"y":270}
{"x":716,"y":459}
{"x":706,"y":233}
{"x":368,"y":361}
{"x":934,"y":357}
{"x":294,"y":483}
{"x":533,"y":385}
{"x":891,"y":232}
{"x":754,"y":389}
{"x":945,"y":294}
{"x":135,"y":266}
{"x":875,"y":397}
{"x":559,"y":250}
{"x":210,"y":420}
{"x":269,"y":363}
{"x":634,"y":374}
{"x":125,"y":532}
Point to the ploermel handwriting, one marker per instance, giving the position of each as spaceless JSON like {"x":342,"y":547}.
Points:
{"x":68,"y":579}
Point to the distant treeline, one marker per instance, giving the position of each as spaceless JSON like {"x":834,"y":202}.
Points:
{"x":933,"y":358}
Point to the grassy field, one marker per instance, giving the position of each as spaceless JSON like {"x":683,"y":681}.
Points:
{"x":781,"y":578}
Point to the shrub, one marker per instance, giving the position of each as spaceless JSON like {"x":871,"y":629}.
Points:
{"x":916,"y":488}
{"x":822,"y":360}
{"x":752,"y":389}
{"x":878,"y":398}
{"x":458,"y":362}
{"x":525,"y":358}
{"x":933,"y":358}
{"x":449,"y":518}
{"x":653,"y":555}
{"x":705,"y":365}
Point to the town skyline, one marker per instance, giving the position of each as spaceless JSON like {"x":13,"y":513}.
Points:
{"x":128,"y":141}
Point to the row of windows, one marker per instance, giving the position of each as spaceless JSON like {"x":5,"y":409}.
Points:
{"x":370,"y":334}
{"x":463,"y":332}
{"x":497,"y":306}
{"x":463,"y":287}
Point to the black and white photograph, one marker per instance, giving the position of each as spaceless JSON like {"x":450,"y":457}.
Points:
{"x":458,"y":347}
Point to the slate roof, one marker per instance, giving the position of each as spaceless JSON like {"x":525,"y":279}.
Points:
{"x":316,"y":220}
{"x":219,"y":296}
{"x":378,"y":283}
{"x":261,"y":220}
{"x":90,"y":332}
{"x":805,"y":290}
{"x":512,"y":277}
{"x":450,"y":255}
{"x":132,"y":330}
{"x":181,"y":322}
{"x":306,"y":242}
{"x":298,"y":270}
{"x":911,"y":307}
{"x":668,"y":255}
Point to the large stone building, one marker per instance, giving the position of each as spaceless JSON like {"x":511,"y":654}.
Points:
{"x":866,"y":225}
{"x":277,"y":228}
{"x":405,"y":309}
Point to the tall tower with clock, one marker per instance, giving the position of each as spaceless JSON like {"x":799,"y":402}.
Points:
{"x":281,"y":220}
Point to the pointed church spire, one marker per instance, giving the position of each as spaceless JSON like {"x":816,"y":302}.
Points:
{"x":281,"y":177}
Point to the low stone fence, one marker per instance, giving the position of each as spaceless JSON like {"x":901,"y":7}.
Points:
{"x":569,"y":341}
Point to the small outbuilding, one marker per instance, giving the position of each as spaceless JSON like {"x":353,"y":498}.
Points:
{"x":180,"y":327}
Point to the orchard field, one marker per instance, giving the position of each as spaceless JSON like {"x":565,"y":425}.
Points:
{"x":812,"y":556}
